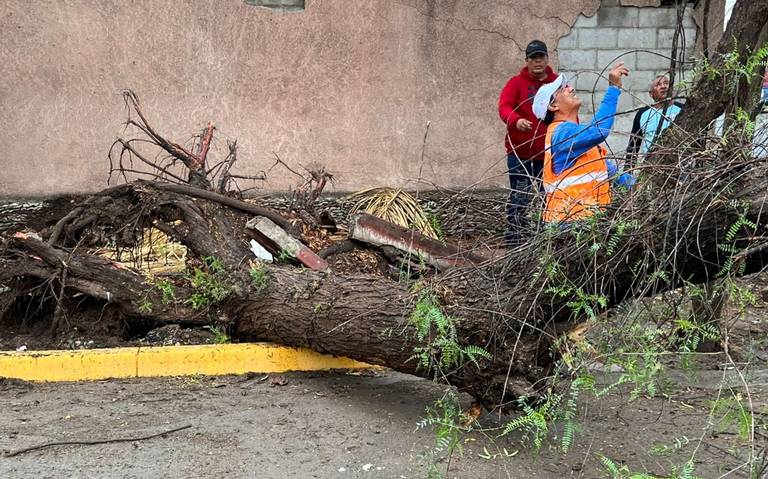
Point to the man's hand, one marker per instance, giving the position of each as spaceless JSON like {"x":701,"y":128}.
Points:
{"x":618,"y":71}
{"x":523,"y":125}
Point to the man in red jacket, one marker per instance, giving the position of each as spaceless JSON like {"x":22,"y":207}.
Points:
{"x":525,"y":135}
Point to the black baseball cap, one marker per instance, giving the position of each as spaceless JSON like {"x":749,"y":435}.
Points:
{"x":536,"y":46}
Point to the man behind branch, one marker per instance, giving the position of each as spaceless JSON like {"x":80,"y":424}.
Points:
{"x":650,"y":121}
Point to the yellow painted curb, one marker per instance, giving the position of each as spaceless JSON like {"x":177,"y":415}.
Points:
{"x":209,"y":359}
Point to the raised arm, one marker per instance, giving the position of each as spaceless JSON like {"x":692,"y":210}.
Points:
{"x":571,"y":140}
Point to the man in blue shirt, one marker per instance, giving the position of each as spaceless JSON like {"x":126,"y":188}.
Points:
{"x":656,"y":119}
{"x":646,"y":123}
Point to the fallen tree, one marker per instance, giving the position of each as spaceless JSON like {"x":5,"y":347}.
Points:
{"x":488,"y":329}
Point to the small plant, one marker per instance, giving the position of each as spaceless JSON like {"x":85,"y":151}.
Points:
{"x":437,"y":227}
{"x":219,"y":335}
{"x":284,"y":257}
{"x":616,"y":471}
{"x":168,"y":290}
{"x":259,"y":276}
{"x":730,"y":412}
{"x":210,"y":284}
{"x":438,"y":330}
{"x":665,"y":450}
{"x":447,"y":419}
{"x":690,"y":334}
{"x":144,"y":306}
{"x":535,"y":421}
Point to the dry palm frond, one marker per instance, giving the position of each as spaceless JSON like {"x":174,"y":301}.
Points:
{"x":395,"y":206}
{"x":155,"y":253}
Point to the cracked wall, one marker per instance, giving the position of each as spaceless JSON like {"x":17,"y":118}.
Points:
{"x":352,"y":88}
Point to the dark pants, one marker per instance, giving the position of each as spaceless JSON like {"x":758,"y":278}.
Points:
{"x":522,"y":175}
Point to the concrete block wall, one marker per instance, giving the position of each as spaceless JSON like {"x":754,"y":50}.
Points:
{"x":613,"y":34}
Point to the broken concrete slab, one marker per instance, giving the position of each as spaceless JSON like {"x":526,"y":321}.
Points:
{"x":277,"y":240}
{"x":378,"y":232}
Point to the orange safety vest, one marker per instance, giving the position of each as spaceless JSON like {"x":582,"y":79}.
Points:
{"x":577,"y":191}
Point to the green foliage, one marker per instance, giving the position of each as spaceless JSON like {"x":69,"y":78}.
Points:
{"x":690,"y":334}
{"x":570,"y":426}
{"x":446,"y":417}
{"x":168,"y":290}
{"x":615,"y":471}
{"x":742,"y":296}
{"x":665,"y":450}
{"x":642,"y":368}
{"x":210,"y":283}
{"x":437,"y":227}
{"x":438,"y":331}
{"x":259,"y":276}
{"x":447,"y":420}
{"x":220,"y":336}
{"x":583,"y":303}
{"x":144,"y":306}
{"x":735,"y":68}
{"x":284,"y":257}
{"x":731,"y":412}
{"x":535,"y":421}
{"x":734,"y":263}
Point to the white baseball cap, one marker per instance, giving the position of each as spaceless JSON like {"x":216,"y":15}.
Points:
{"x":544,"y":96}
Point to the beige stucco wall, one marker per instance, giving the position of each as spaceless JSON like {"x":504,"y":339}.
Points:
{"x":350,"y":84}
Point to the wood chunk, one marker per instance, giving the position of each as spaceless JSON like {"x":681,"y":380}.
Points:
{"x":378,"y":232}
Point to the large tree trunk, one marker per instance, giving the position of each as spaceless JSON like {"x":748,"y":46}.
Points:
{"x":670,"y":230}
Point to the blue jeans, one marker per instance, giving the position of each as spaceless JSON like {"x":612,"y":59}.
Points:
{"x":522,"y":175}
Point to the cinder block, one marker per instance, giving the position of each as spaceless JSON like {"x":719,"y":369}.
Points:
{"x":664,"y":37}
{"x":630,"y":38}
{"x":587,"y":110}
{"x":588,"y":81}
{"x":619,"y":137}
{"x":569,"y":41}
{"x":617,"y":16}
{"x":625,"y":102}
{"x":577,"y":59}
{"x":660,"y":17}
{"x":638,"y":82}
{"x":598,"y":38}
{"x":654,"y":62}
{"x":607,"y":58}
{"x":585,"y":22}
